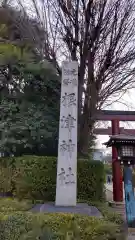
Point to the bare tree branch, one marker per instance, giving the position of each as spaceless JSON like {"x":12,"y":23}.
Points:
{"x":100,"y":35}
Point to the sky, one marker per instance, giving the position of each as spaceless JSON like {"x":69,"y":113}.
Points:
{"x":127,"y":103}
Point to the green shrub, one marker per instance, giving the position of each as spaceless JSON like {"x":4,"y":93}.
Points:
{"x":35,"y":178}
{"x":108,"y":213}
{"x":6,"y":173}
{"x":24,"y":226}
{"x":90,"y":180}
{"x":11,"y":205}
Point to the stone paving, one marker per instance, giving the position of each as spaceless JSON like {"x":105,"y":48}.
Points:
{"x":131,"y":237}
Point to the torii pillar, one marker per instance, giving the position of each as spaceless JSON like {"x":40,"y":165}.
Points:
{"x":116,"y":168}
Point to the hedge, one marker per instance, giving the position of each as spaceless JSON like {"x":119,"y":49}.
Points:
{"x":24,"y":226}
{"x":34,"y":177}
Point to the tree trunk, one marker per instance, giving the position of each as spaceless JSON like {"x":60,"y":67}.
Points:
{"x":86,"y":131}
{"x":89,"y":110}
{"x":80,"y":94}
{"x":84,"y":141}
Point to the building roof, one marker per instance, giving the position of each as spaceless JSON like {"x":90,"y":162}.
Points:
{"x":120,"y":138}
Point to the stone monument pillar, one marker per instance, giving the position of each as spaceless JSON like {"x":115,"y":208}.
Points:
{"x":66,"y":189}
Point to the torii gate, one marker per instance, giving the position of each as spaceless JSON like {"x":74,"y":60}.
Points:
{"x":115,"y":117}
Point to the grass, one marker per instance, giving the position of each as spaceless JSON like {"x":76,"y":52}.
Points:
{"x":11,"y":205}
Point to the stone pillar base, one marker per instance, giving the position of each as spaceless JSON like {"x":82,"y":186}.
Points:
{"x":116,"y":204}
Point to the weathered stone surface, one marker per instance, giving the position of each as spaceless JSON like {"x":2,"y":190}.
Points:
{"x":67,"y":147}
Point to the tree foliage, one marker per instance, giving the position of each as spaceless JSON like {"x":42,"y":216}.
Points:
{"x":29,"y":103}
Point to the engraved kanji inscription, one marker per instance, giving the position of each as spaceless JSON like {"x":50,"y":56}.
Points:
{"x":67,"y":147}
{"x":63,"y":147}
{"x":67,"y":142}
{"x":74,"y":81}
{"x":68,"y":122}
{"x":66,"y":178}
{"x":69,"y":99}
{"x":71,"y":147}
{"x":70,"y":178}
{"x":61,"y":176}
{"x":67,"y":81}
{"x":72,"y":72}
